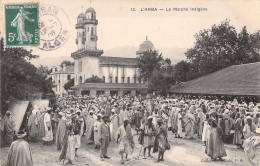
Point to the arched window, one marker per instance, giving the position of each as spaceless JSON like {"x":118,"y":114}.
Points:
{"x":80,"y":80}
{"x":68,"y":77}
{"x":116,"y":79}
{"x":104,"y":78}
{"x":92,"y":31}
{"x":135,"y":79}
{"x":92,"y":16}
{"x":128,"y":79}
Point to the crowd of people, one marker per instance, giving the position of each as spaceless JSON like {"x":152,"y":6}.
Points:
{"x":103,"y":119}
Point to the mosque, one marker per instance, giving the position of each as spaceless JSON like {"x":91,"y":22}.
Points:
{"x":120,"y":75}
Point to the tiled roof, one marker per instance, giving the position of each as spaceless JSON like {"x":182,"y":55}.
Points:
{"x":106,"y":60}
{"x":68,"y":70}
{"x":234,"y":80}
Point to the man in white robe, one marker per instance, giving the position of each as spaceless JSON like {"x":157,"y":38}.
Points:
{"x":47,"y":126}
{"x":96,"y":127}
{"x":252,"y":148}
{"x":90,"y":127}
{"x":125,"y":140}
{"x":114,"y":124}
{"x":179,"y":123}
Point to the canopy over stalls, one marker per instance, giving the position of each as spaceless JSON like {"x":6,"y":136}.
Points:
{"x":18,"y":109}
{"x":240,"y":80}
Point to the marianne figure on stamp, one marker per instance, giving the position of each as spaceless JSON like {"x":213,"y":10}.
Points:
{"x":19,"y":22}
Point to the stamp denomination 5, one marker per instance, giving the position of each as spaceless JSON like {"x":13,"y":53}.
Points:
{"x":21,"y":24}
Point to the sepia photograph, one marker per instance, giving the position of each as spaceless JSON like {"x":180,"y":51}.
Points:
{"x":130,"y":82}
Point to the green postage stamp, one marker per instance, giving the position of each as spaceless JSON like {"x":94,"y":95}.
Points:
{"x":22,"y":24}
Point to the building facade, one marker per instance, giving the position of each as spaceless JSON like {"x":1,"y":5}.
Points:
{"x":120,"y":75}
{"x":60,"y":76}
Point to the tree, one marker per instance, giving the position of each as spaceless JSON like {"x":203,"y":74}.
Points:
{"x":69,"y":84}
{"x":219,"y":47}
{"x":94,"y":79}
{"x":247,"y":51}
{"x":68,"y":63}
{"x":147,"y":63}
{"x":214,"y":48}
{"x":19,"y":78}
{"x":168,"y":61}
{"x":160,"y":81}
{"x":255,"y":46}
{"x":181,"y":71}
{"x":159,"y":77}
{"x":43,"y":70}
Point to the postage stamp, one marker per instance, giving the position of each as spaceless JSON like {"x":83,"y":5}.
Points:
{"x":22,"y":24}
{"x":54,"y":27}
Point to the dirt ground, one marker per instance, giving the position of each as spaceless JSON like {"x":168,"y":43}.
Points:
{"x":182,"y":152}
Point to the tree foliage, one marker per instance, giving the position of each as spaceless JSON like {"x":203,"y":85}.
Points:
{"x":94,"y":79}
{"x":147,"y":63}
{"x":19,"y":78}
{"x":157,"y":76}
{"x":69,"y":84}
{"x":43,"y":70}
{"x":168,"y":61}
{"x":216,"y":48}
{"x":160,"y":81}
{"x":68,"y":63}
{"x":181,"y":71}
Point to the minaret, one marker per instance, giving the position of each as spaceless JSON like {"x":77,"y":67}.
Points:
{"x":86,"y":58}
{"x":91,"y":29}
{"x":87,"y":32}
{"x":81,"y":32}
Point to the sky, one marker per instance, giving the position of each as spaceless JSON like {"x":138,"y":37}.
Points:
{"x":119,"y":26}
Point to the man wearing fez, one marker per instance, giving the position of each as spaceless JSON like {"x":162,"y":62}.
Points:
{"x":104,"y":137}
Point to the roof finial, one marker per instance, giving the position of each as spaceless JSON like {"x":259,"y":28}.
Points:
{"x":82,"y":8}
{"x":146,"y":37}
{"x":90,"y":2}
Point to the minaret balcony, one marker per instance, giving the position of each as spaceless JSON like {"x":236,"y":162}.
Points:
{"x":80,"y":26}
{"x":93,"y":37}
{"x":90,"y":21}
{"x":85,"y":52}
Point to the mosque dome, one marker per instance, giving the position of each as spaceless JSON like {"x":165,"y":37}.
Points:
{"x":81,"y":15}
{"x":147,"y":45}
{"x":90,"y":10}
